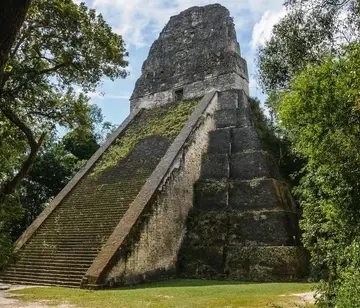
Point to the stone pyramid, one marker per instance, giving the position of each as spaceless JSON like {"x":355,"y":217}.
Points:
{"x":182,"y":188}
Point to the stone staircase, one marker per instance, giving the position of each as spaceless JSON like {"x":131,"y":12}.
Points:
{"x":65,"y":245}
{"x":244,"y":224}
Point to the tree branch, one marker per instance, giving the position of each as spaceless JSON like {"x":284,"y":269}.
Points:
{"x":53,"y":69}
{"x":11,"y":185}
{"x":20,"y":124}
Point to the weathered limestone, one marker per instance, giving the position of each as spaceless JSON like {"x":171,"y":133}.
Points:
{"x":245,"y":223}
{"x":196,"y":53}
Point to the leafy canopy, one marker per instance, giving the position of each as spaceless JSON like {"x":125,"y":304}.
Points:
{"x":321,"y":113}
{"x":62,"y":52}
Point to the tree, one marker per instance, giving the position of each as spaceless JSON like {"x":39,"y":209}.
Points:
{"x":62,"y":52}
{"x":12,"y":14}
{"x":311,"y":31}
{"x":321,"y":113}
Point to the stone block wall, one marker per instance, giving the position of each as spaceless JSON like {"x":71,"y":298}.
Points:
{"x":244,"y":224}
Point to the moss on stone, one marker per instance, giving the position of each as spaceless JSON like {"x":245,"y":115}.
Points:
{"x":211,"y":185}
{"x":164,"y":121}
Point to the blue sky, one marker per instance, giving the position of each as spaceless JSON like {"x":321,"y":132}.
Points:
{"x":140,"y":22}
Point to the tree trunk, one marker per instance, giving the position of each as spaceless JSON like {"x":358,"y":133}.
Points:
{"x":12,"y":185}
{"x":12,"y":15}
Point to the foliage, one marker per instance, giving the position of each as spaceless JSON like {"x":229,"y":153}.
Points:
{"x":311,"y":31}
{"x":321,"y":113}
{"x":10,"y":212}
{"x":349,"y":288}
{"x":62,"y":51}
{"x":302,"y":37}
{"x":275,"y":141}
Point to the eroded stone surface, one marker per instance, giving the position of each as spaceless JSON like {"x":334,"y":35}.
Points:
{"x":197,"y":52}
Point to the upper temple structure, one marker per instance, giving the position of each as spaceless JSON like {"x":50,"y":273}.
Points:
{"x":185,"y":187}
{"x":196,"y":53}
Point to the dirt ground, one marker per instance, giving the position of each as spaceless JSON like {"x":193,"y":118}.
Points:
{"x":8,"y":300}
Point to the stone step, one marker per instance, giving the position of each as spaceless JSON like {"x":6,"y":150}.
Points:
{"x":85,"y":219}
{"x":85,"y":235}
{"x":220,"y":141}
{"x":59,"y":261}
{"x":211,"y":194}
{"x":230,"y":99}
{"x":95,"y":211}
{"x":96,"y":223}
{"x":20,"y":273}
{"x":71,"y":245}
{"x":215,"y":166}
{"x":241,"y":166}
{"x":243,"y":196}
{"x":64,"y":247}
{"x":245,"y":139}
{"x":81,"y":264}
{"x":225,"y":118}
{"x":69,"y":240}
{"x":245,"y":263}
{"x":260,"y":228}
{"x":41,"y":282}
{"x":233,"y":140}
{"x":101,"y":213}
{"x":59,"y":256}
{"x":78,"y":230}
{"x":57,"y":228}
{"x":46,"y":269}
{"x":253,"y":165}
{"x":61,"y":253}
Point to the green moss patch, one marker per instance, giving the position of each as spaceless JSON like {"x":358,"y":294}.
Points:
{"x":166,"y":121}
{"x":211,"y":185}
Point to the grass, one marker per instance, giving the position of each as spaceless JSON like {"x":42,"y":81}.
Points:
{"x":164,"y":121}
{"x":176,"y":293}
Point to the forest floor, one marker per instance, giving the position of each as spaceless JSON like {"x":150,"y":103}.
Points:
{"x":166,"y":294}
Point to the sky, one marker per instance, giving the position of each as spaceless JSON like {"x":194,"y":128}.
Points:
{"x":140,"y":23}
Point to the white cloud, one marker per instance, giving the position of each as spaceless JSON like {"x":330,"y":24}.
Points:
{"x":263,"y":29}
{"x":140,"y":21}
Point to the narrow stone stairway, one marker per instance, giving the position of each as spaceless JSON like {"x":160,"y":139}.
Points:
{"x":244,"y":224}
{"x":65,"y":245}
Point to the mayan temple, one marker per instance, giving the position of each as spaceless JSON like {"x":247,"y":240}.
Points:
{"x":183,"y":188}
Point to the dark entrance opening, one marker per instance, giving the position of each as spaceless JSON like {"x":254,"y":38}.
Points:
{"x":179,"y":95}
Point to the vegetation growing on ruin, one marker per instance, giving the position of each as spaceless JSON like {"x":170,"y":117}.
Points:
{"x":211,"y":185}
{"x":166,"y":121}
{"x":276,"y":142}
